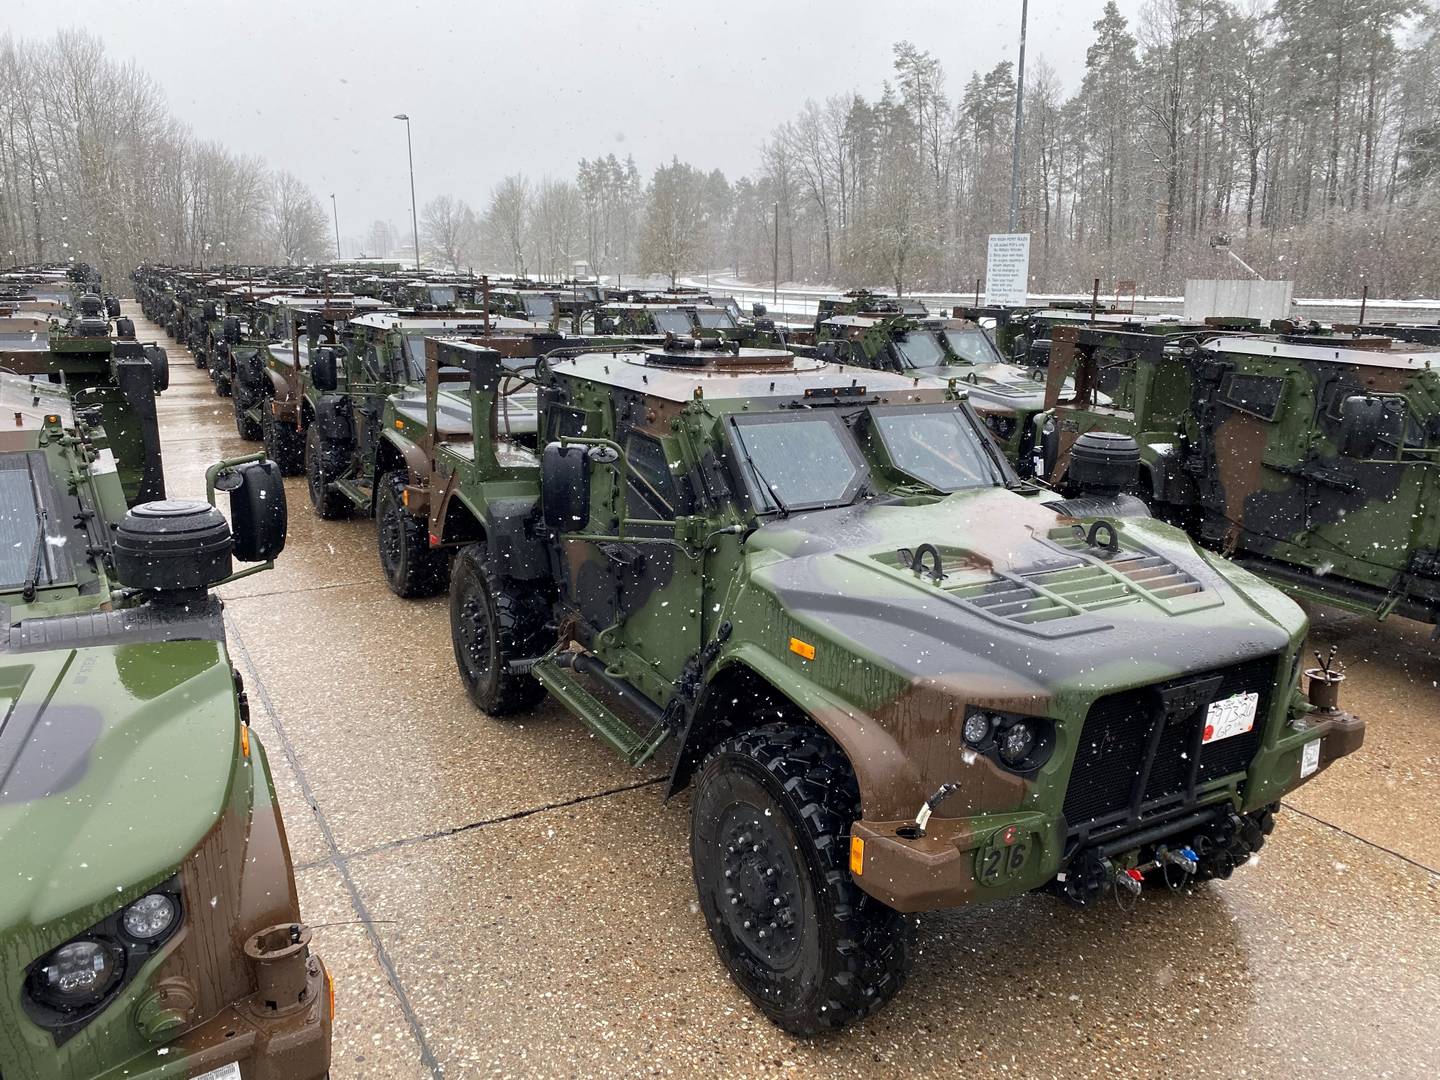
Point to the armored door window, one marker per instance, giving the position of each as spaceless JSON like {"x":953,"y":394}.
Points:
{"x":672,"y":322}
{"x":1257,"y":395}
{"x":652,"y":491}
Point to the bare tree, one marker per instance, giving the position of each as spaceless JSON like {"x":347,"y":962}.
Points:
{"x":673,"y":235}
{"x":507,"y":220}
{"x":449,"y":228}
{"x":296,"y":222}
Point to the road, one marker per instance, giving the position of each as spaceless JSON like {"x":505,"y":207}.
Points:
{"x":510,"y":899}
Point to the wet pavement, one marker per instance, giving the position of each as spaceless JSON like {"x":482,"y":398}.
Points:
{"x":509,"y":898}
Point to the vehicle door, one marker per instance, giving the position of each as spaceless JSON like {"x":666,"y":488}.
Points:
{"x":632,"y":571}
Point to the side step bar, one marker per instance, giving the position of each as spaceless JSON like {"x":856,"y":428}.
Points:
{"x":557,"y":675}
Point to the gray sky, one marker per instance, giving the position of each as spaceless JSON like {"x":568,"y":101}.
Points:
{"x":495,"y":88}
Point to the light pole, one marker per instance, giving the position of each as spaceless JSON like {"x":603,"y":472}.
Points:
{"x":1019,"y":121}
{"x":414,"y":221}
{"x":336,"y":212}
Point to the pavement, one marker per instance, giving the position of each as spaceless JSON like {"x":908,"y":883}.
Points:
{"x":509,"y":898}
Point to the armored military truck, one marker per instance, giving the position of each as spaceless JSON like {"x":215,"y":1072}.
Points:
{"x":897,"y":677}
{"x":149,"y":923}
{"x":1307,"y":458}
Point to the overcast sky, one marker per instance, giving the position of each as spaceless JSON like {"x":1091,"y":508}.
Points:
{"x":495,"y":88}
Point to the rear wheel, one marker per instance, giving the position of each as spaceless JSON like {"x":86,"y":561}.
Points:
{"x":283,"y":442}
{"x":769,"y":838}
{"x":200,"y":360}
{"x":325,"y":461}
{"x":494,"y":621}
{"x":411,"y":566}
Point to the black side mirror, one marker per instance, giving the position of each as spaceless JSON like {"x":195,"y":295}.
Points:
{"x":759,"y":310}
{"x":1361,"y":421}
{"x":160,"y":366}
{"x":231,"y":329}
{"x":257,"y":510}
{"x":565,"y":487}
{"x":323,"y":371}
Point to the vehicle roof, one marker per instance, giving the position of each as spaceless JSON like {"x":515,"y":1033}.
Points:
{"x":750,"y":373}
{"x":1400,"y":355}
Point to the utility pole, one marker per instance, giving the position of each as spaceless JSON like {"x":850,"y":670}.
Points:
{"x":336,"y":212}
{"x":775,"y":292}
{"x":1019,"y":121}
{"x":414,"y":220}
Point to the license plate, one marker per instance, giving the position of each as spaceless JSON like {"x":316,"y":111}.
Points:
{"x":1230,"y":716}
{"x":224,"y":1072}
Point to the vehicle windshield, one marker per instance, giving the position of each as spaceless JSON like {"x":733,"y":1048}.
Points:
{"x":672,"y":322}
{"x":939,"y":447}
{"x":415,"y":356}
{"x":441,"y":297}
{"x":972,"y":345}
{"x":797,"y":462}
{"x":540,"y":308}
{"x":715,"y":319}
{"x":920,"y":349}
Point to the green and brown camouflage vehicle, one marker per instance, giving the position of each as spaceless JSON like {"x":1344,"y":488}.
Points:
{"x":898,"y":677}
{"x":1309,"y":459}
{"x":149,"y":924}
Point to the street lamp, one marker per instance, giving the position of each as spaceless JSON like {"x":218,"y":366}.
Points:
{"x":334,"y":210}
{"x":414,"y":221}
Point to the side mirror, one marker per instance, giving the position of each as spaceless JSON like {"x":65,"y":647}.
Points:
{"x":323,"y":371}
{"x":759,"y":310}
{"x":160,"y":366}
{"x":257,"y":509}
{"x":1361,"y":421}
{"x":565,"y":487}
{"x":231,"y":329}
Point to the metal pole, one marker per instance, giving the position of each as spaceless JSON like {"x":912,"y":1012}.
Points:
{"x":1364,"y":298}
{"x":414,"y":219}
{"x":336,"y":212}
{"x":775,"y":291}
{"x":1019,"y":122}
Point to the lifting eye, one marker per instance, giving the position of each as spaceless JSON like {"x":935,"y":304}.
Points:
{"x":916,"y":561}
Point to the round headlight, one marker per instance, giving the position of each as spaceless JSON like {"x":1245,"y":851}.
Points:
{"x":977,"y":728}
{"x":149,"y":917}
{"x":1017,"y":742}
{"x":78,"y":973}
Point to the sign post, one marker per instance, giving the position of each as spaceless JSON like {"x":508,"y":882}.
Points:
{"x":1007,"y":269}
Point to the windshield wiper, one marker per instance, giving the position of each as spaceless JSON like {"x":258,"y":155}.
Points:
{"x":32,"y":577}
{"x":783,"y":509}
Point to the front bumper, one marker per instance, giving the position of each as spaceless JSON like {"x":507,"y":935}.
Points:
{"x":963,"y":860}
{"x":265,"y":1045}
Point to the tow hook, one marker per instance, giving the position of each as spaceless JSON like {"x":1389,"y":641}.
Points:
{"x":929,"y":806}
{"x":1325,"y":680}
{"x":1132,"y":880}
{"x":1185,"y":858}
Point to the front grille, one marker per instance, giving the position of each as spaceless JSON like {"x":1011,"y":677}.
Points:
{"x":1113,"y":759}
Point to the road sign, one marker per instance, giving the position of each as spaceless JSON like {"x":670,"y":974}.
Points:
{"x":1007,"y":269}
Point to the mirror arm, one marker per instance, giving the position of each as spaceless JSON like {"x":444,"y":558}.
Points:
{"x":220,"y":466}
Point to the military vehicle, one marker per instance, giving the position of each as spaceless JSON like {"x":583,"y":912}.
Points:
{"x":898,"y":677}
{"x":149,"y":924}
{"x":1309,"y":460}
{"x":274,"y":382}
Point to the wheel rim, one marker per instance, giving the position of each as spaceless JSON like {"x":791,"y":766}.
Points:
{"x":759,"y":887}
{"x":475,"y":639}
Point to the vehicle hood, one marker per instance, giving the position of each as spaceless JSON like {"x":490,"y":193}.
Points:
{"x":115,"y":761}
{"x":1027,"y":603}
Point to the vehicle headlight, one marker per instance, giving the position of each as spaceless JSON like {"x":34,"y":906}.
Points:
{"x":77,"y":974}
{"x":149,"y":917}
{"x":1016,"y":743}
{"x":977,"y":728}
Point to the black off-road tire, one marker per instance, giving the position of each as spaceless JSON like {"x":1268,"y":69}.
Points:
{"x":325,"y":461}
{"x":494,"y":621}
{"x":412,"y":568}
{"x":249,"y":429}
{"x":284,"y":444}
{"x":771,"y":821}
{"x":222,"y":384}
{"x":201,"y":361}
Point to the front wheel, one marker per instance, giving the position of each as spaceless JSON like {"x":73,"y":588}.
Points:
{"x":283,"y":442}
{"x":493,"y":622}
{"x":411,"y":566}
{"x":249,"y":428}
{"x":325,"y":461}
{"x":769,"y":839}
{"x":200,"y":361}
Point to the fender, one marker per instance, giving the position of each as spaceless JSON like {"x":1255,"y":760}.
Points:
{"x":417,"y":465}
{"x":884,"y":773}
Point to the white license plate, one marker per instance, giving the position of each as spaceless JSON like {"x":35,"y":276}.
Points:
{"x":1309,"y":758}
{"x":1230,"y":716}
{"x":224,"y":1072}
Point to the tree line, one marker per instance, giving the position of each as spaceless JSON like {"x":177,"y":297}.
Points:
{"x":1303,"y":135}
{"x":94,"y":167}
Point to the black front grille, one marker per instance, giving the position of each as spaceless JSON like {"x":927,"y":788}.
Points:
{"x":1113,"y":759}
